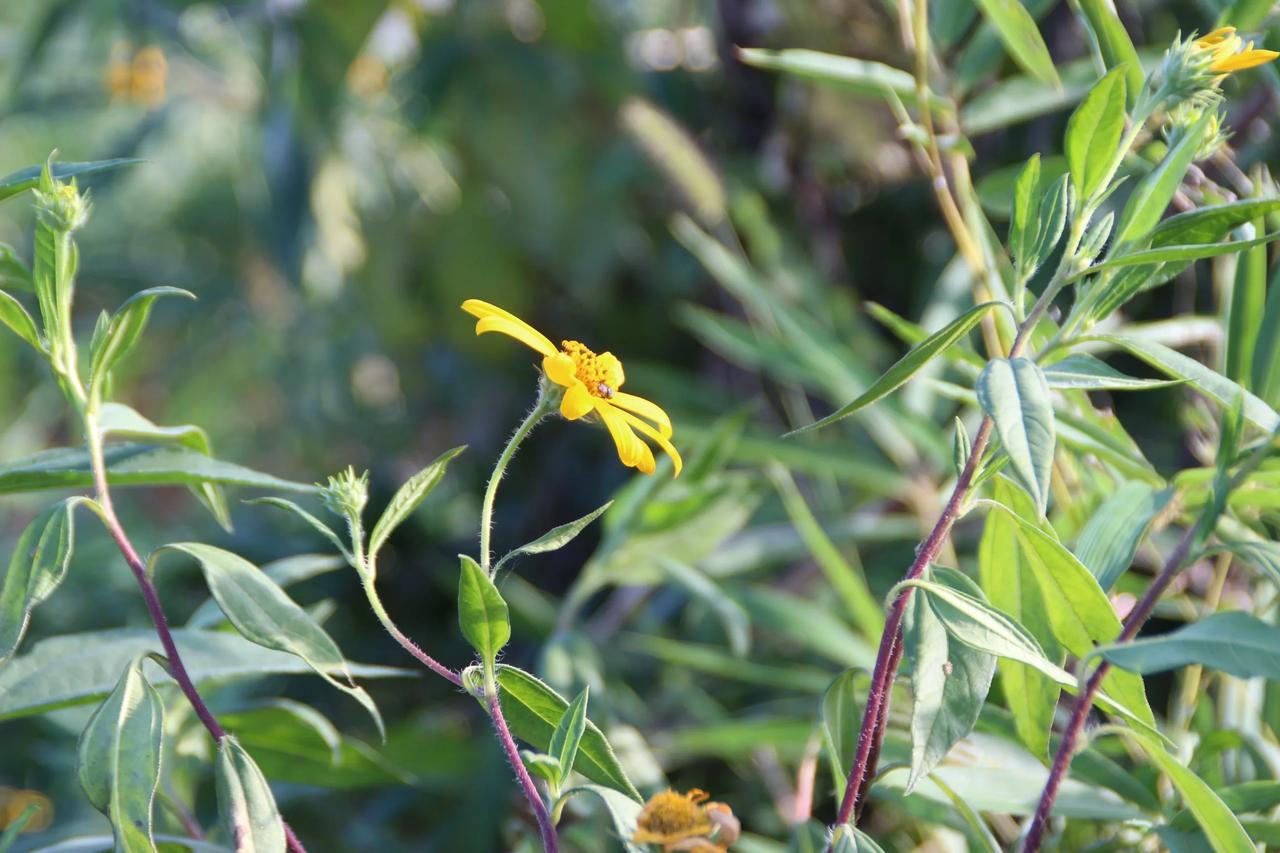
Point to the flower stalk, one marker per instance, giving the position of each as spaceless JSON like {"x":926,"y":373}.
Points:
{"x":545,"y":405}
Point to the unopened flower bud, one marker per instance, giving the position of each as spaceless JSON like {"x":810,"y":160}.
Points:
{"x":346,"y":493}
{"x":63,"y":207}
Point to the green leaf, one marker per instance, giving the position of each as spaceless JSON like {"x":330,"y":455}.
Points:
{"x":844,"y":72}
{"x":533,"y":710}
{"x":842,"y":708}
{"x":1234,"y":642}
{"x":568,"y":734}
{"x":132,"y":465}
{"x":1212,"y":384}
{"x":1014,"y":393}
{"x":14,"y":827}
{"x":1221,"y":826}
{"x":1024,"y":229}
{"x":1183,"y":253}
{"x":245,"y":803}
{"x":407,"y":498}
{"x":106,"y":844}
{"x":316,"y":524}
{"x":124,"y":329}
{"x":1264,"y":555}
{"x":1011,"y":586}
{"x":1093,"y":134}
{"x":41,"y":558}
{"x":849,"y":839}
{"x":482,"y":613}
{"x":1018,"y":32}
{"x":117,"y":419}
{"x":1118,"y":52}
{"x":732,"y":615}
{"x":949,"y":680}
{"x":25,"y":179}
{"x":1080,"y":613}
{"x":557,"y":537}
{"x":909,"y":365}
{"x":73,"y":669}
{"x":1109,"y":540}
{"x":262,"y":613}
{"x":1266,"y":358}
{"x":285,"y":572}
{"x":119,"y":758}
{"x":1247,"y":306}
{"x":1052,"y":218}
{"x":623,"y":813}
{"x":1146,"y":205}
{"x":1087,"y":373}
{"x":14,"y":274}
{"x":15,"y":316}
{"x":1210,"y":224}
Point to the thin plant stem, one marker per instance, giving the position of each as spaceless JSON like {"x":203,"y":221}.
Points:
{"x":1084,"y":701}
{"x":177,"y":669}
{"x":550,"y":844}
{"x":540,"y":410}
{"x":886,"y":659}
{"x":1189,"y":694}
{"x":400,"y":637}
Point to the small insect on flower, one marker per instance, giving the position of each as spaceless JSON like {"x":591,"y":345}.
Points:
{"x":686,"y":822}
{"x":592,"y":385}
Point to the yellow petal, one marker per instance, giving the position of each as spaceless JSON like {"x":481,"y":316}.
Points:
{"x":577,"y":402}
{"x":1241,"y":61}
{"x":1218,"y":35}
{"x":629,"y":446}
{"x":609,"y":366}
{"x":645,"y":409}
{"x":494,"y":319}
{"x":560,"y":369}
{"x":645,"y":463}
{"x":657,"y":437}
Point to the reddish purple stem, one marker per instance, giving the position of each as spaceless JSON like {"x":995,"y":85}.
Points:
{"x":550,"y":843}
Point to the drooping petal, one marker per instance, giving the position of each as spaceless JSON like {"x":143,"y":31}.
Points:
{"x":577,"y":401}
{"x":560,"y":369}
{"x":609,"y":366}
{"x":657,"y":437}
{"x":645,"y":409}
{"x":646,"y":464}
{"x":494,"y":319}
{"x":1246,"y":59}
{"x":630,"y":447}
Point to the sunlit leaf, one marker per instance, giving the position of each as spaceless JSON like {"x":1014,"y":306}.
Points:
{"x":1014,"y":393}
{"x":245,"y":802}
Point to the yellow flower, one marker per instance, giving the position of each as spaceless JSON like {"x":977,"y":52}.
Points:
{"x":681,"y":822}
{"x":1230,"y":53}
{"x":592,"y":384}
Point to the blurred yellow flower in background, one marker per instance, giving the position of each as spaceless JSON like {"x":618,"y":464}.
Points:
{"x":137,"y":77}
{"x":592,"y":384}
{"x":682,"y":822}
{"x":15,"y":801}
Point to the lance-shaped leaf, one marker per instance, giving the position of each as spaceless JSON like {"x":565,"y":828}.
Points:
{"x":909,"y":365}
{"x":262,"y":613}
{"x":568,"y":734}
{"x":1210,"y":224}
{"x":1234,"y":642}
{"x":555,"y":538}
{"x":37,"y":568}
{"x":949,"y":680}
{"x":849,"y":839}
{"x":1114,"y":43}
{"x":25,"y":179}
{"x":844,"y":72}
{"x":1093,"y":134}
{"x":1018,"y":32}
{"x":533,"y":711}
{"x":119,"y":758}
{"x":1146,"y":205}
{"x":407,"y":498}
{"x":623,"y":813}
{"x":841,"y":713}
{"x":1024,"y":228}
{"x":14,"y":315}
{"x":123,"y":330}
{"x":1109,"y":540}
{"x":482,"y":613}
{"x":1014,"y":393}
{"x":1083,"y":371}
{"x":245,"y":802}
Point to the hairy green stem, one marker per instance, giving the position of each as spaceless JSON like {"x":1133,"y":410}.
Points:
{"x":541,"y":409}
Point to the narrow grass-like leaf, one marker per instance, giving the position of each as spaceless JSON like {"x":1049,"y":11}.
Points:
{"x":732,"y":615}
{"x":38,"y":566}
{"x":557,"y":537}
{"x":856,"y":75}
{"x":14,"y":315}
{"x":1210,"y":224}
{"x":568,"y":734}
{"x":1209,"y":382}
{"x":1234,"y":642}
{"x":1085,"y":372}
{"x":16,"y":825}
{"x":119,"y":758}
{"x":262,"y":612}
{"x":1093,"y":133}
{"x":316,"y":524}
{"x":408,"y":497}
{"x":245,"y":802}
{"x":1183,"y":253}
{"x":1114,"y":43}
{"x":1018,"y":32}
{"x":482,"y":613}
{"x":1014,"y":393}
{"x":949,"y":680}
{"x":909,"y":365}
{"x":1111,"y":537}
{"x":125,"y":328}
{"x":1266,"y":358}
{"x":1146,"y":205}
{"x":1247,"y":307}
{"x":1222,"y":828}
{"x":25,"y":179}
{"x":132,"y":465}
{"x":533,"y":711}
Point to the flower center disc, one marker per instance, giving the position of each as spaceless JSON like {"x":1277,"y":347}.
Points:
{"x":597,"y":373}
